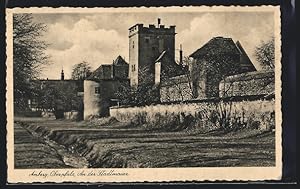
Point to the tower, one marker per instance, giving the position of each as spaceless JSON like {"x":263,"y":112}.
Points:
{"x":145,"y":46}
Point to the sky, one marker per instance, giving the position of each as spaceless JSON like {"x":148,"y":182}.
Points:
{"x":100,"y":37}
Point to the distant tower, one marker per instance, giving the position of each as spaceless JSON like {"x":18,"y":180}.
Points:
{"x":62,"y":75}
{"x":145,"y":46}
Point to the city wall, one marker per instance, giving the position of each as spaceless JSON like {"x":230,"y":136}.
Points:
{"x":258,"y":113}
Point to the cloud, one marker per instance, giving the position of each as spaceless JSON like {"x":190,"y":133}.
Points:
{"x":83,"y":42}
{"x":249,"y":29}
{"x":98,"y":39}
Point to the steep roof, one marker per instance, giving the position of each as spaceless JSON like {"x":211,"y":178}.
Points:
{"x":102,"y":72}
{"x":106,"y":71}
{"x":160,"y":56}
{"x":119,"y":61}
{"x":168,"y":65}
{"x":217,"y":45}
{"x":245,"y":60}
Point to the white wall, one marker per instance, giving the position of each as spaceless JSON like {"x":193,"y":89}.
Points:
{"x":90,"y":99}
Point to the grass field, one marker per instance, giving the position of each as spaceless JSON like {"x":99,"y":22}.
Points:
{"x":119,"y":145}
{"x":33,"y":152}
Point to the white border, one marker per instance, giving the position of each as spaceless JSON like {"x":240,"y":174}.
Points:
{"x":150,"y":174}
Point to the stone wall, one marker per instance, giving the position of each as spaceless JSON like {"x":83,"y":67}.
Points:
{"x":176,"y":89}
{"x":259,"y":113}
{"x":251,"y":83}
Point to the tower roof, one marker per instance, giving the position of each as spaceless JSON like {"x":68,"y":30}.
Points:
{"x":119,"y":61}
{"x":102,"y":72}
{"x":217,"y":45}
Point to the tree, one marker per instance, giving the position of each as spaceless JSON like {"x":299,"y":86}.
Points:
{"x":265,"y":54}
{"x":59,"y":97}
{"x":28,"y":56}
{"x":145,"y":93}
{"x":81,"y":71}
{"x":176,"y":81}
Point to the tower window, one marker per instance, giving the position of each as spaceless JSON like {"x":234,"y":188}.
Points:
{"x":97,"y":90}
{"x":147,"y":39}
{"x":133,"y":68}
{"x":133,"y":44}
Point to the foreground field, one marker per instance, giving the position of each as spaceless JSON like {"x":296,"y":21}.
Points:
{"x":119,"y":145}
{"x":33,"y":152}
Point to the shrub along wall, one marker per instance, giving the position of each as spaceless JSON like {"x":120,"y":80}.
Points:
{"x":258,"y":114}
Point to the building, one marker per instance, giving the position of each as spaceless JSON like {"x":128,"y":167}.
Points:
{"x":101,"y":86}
{"x":147,"y":46}
{"x":218,"y":58}
{"x":57,"y":96}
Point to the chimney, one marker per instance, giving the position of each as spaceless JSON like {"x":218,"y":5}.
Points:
{"x":158,"y":22}
{"x":180,"y":55}
{"x":157,"y":73}
{"x":113,"y":70}
{"x":62,"y":75}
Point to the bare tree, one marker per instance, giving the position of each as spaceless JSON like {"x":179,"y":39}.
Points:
{"x":81,"y":71}
{"x":144,"y":94}
{"x":29,"y":56}
{"x":181,"y":83}
{"x":265,"y":54}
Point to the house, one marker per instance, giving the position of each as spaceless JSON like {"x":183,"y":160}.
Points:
{"x":218,"y":58}
{"x":101,"y":86}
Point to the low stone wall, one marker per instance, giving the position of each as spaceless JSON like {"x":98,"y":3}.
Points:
{"x":73,"y":115}
{"x":257,"y":113}
{"x":251,"y":83}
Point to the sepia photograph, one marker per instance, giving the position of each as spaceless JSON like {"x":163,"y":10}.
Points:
{"x":104,"y":93}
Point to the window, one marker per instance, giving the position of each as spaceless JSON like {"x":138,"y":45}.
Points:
{"x":153,"y":48}
{"x":120,"y":89}
{"x":133,"y":44}
{"x":133,"y":68}
{"x":97,"y":90}
{"x":147,"y":39}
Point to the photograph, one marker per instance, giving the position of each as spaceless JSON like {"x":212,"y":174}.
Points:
{"x":144,"y":94}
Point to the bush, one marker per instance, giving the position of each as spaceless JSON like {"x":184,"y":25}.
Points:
{"x":203,"y":117}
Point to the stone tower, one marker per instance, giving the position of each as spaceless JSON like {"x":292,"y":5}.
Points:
{"x":145,"y":46}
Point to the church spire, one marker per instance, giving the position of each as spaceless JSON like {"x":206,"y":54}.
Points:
{"x":62,"y":75}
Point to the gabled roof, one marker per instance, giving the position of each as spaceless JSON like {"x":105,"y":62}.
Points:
{"x":102,"y":72}
{"x":168,"y":65}
{"x":119,"y":61}
{"x":106,"y":71}
{"x":217,"y":45}
{"x":160,"y":56}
